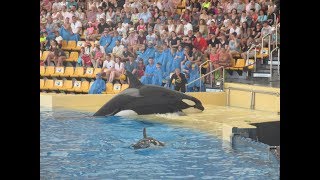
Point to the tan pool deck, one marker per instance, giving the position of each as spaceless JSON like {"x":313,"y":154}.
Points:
{"x":217,"y":118}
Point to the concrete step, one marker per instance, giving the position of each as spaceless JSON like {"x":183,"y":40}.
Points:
{"x":261,"y":74}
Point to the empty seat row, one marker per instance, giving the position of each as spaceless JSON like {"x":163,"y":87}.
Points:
{"x":78,"y":86}
{"x":52,"y":71}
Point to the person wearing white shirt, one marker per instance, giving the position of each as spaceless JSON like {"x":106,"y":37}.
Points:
{"x":57,"y":5}
{"x":118,"y":70}
{"x":118,"y":49}
{"x":108,"y":65}
{"x":186,"y":27}
{"x":76,"y":25}
{"x":236,"y":29}
{"x":252,"y":5}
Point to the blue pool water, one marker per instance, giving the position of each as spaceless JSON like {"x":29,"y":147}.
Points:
{"x":75,"y":146}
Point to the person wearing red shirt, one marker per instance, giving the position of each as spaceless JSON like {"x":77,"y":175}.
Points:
{"x":200,"y":43}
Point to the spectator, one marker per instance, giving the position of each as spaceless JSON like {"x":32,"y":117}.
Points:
{"x":234,"y":45}
{"x":186,"y":27}
{"x":149,"y":73}
{"x":158,"y":75}
{"x":179,"y":80}
{"x":141,"y":69}
{"x":262,"y":16}
{"x":108,"y":66}
{"x":200,"y":43}
{"x":98,"y":85}
{"x":117,"y":71}
{"x":131,"y":66}
{"x":97,"y":56}
{"x":118,"y":49}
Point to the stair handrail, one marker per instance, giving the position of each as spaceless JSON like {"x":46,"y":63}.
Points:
{"x":267,"y":35}
{"x":279,"y":61}
{"x":277,"y":34}
{"x":255,"y":54}
{"x":271,"y":60}
{"x":221,"y":67}
{"x":210,"y":64}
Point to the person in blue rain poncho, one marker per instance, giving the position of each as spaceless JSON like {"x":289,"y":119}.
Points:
{"x":105,"y":40}
{"x":158,"y":75}
{"x":148,"y":53}
{"x":98,"y":86}
{"x":114,"y":37}
{"x":193,"y":75}
{"x":149,"y":72}
{"x":178,"y":57}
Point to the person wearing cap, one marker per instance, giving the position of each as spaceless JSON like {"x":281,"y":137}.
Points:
{"x":105,"y":40}
{"x":98,"y":86}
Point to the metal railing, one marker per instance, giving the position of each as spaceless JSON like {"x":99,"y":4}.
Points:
{"x":277,"y":34}
{"x":271,"y":60}
{"x":210,"y":64}
{"x":199,"y":79}
{"x":255,"y":55}
{"x":269,"y":42}
{"x":253,"y":94}
{"x":279,"y":61}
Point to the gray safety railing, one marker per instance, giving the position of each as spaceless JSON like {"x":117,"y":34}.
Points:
{"x":253,"y":94}
{"x":199,"y":79}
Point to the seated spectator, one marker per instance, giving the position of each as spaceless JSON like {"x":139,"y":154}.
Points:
{"x":131,"y":66}
{"x":141,"y":68}
{"x":98,"y":85}
{"x":158,"y":75}
{"x":149,"y":73}
{"x":262,"y":16}
{"x":108,"y":66}
{"x":224,"y":59}
{"x":97,"y":56}
{"x":200,"y":43}
{"x":118,"y":49}
{"x":234,"y":45}
{"x":117,"y":71}
{"x":43,"y":40}
{"x":193,"y":75}
{"x":60,"y":57}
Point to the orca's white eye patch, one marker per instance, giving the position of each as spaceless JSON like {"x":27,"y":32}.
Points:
{"x":189,"y":102}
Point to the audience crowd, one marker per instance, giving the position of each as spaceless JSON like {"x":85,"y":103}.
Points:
{"x":154,"y":39}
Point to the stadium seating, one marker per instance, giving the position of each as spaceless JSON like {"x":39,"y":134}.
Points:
{"x":59,"y":71}
{"x":42,"y":70}
{"x":68,"y":72}
{"x":78,"y":72}
{"x":67,"y":85}
{"x":48,"y":84}
{"x":49,"y":71}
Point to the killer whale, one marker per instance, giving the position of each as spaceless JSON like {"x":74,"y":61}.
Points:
{"x":148,"y":99}
{"x":146,"y":142}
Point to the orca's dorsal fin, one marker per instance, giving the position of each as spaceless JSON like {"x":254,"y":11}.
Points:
{"x":133,"y":81}
{"x":144,"y":133}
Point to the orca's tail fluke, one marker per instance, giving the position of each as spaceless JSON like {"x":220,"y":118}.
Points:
{"x":144,"y":133}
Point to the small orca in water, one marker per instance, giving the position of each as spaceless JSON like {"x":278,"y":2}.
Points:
{"x":146,"y":142}
{"x":149,"y":99}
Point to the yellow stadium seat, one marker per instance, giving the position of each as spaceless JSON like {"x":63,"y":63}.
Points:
{"x":250,"y":61}
{"x":78,"y":72}
{"x":59,"y":71}
{"x":84,"y":86}
{"x":79,"y":45}
{"x":71,"y":45}
{"x":68,"y":72}
{"x":89,"y":73}
{"x":124,"y":86}
{"x":49,"y":71}
{"x":44,"y":55}
{"x":57,"y":85}
{"x":87,"y":90}
{"x":41,"y":83}
{"x":109,"y":88}
{"x":73,"y":57}
{"x":42,"y":70}
{"x":96,"y":71}
{"x":76,"y":86}
{"x":64,"y":44}
{"x":240,"y":64}
{"x":48,"y":84}
{"x":263,"y":53}
{"x":67,"y":84}
{"x":233,"y":63}
{"x":116,"y":88}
